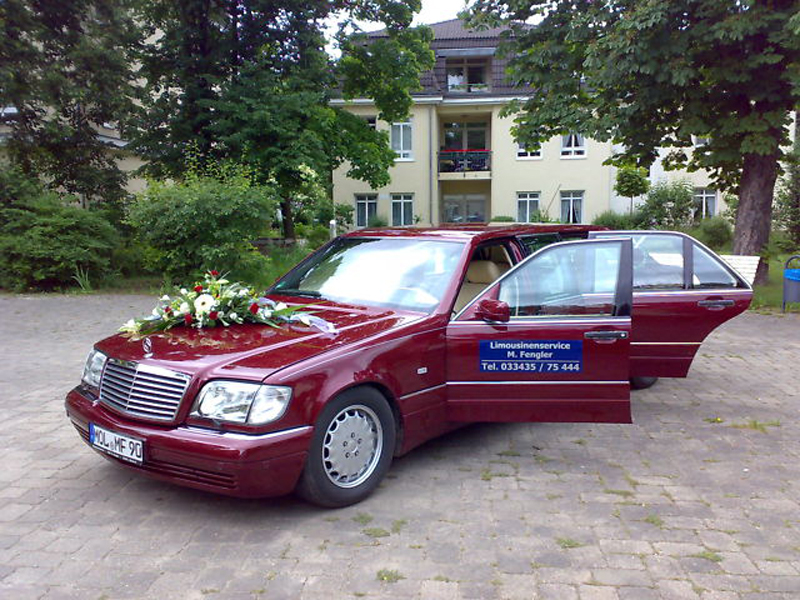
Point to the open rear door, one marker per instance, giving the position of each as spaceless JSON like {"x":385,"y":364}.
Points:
{"x":549,"y":341}
{"x":682,"y":291}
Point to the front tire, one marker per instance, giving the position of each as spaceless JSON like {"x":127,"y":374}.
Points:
{"x":351,"y":449}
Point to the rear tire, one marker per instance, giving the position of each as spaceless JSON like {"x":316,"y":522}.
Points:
{"x":642,"y":383}
{"x":351,"y":449}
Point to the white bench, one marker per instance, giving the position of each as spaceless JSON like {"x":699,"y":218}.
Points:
{"x":746,"y":266}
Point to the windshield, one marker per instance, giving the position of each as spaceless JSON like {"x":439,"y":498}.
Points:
{"x":399,"y":273}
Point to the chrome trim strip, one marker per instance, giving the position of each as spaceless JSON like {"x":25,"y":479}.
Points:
{"x":559,"y":320}
{"x":422,"y":391}
{"x":235,"y":435}
{"x":696,"y":292}
{"x":626,"y":382}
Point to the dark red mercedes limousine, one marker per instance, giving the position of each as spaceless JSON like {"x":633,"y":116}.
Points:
{"x":427,"y":329}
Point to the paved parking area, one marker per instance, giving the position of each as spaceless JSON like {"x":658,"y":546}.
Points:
{"x":699,"y":499}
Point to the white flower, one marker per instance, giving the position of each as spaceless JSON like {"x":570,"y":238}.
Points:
{"x":280,"y":306}
{"x":184,"y":291}
{"x":204,"y":303}
{"x":130,"y":327}
{"x":233,"y":316}
{"x":304,"y":319}
{"x":266,"y":313}
{"x":165,"y":298}
{"x":184,"y":308}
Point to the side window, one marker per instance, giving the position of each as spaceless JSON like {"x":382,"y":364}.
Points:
{"x":657,"y":260}
{"x":537,"y":241}
{"x":575,"y":280}
{"x":709,"y":273}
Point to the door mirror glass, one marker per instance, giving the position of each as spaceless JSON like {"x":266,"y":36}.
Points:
{"x":577,"y":279}
{"x":493,"y":310}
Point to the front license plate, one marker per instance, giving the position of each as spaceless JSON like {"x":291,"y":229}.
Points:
{"x":121,"y":446}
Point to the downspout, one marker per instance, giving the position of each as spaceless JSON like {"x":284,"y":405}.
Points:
{"x":431,"y":172}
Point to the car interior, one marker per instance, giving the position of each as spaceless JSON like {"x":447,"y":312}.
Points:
{"x":487,"y":264}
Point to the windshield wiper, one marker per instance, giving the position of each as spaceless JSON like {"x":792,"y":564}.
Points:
{"x":296,"y":292}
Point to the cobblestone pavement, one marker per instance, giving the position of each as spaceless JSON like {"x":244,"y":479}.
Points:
{"x":699,"y":499}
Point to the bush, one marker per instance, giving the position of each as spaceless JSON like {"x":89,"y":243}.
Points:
{"x":44,"y":242}
{"x":376,"y":221}
{"x":314,"y":235}
{"x":502,"y":219}
{"x":203,"y":223}
{"x":716,"y":232}
{"x":669,"y":205}
{"x":615,"y":220}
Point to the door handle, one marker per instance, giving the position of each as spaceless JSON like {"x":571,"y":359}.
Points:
{"x":607,"y":335}
{"x":717,"y":304}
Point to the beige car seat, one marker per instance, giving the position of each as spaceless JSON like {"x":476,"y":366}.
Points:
{"x":480,"y":273}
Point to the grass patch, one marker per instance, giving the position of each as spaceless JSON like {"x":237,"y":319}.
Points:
{"x":654,"y":520}
{"x":389,"y":576}
{"x":568,"y":543}
{"x":756,"y":425}
{"x":375,"y":532}
{"x":579,"y":441}
{"x":363,"y":518}
{"x":442,"y":578}
{"x":770,"y":296}
{"x":398,"y":524}
{"x":708,"y":555}
{"x":623,"y":493}
{"x":509,"y":452}
{"x":714,"y":420}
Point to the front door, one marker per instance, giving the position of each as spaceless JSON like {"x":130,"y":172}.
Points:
{"x":562,"y":355}
{"x":682,"y":291}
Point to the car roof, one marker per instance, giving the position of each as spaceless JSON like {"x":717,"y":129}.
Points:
{"x":479,"y":233}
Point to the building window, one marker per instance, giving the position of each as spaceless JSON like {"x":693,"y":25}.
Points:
{"x":527,"y":206}
{"x":371,"y":121}
{"x":469,"y":75}
{"x":523,"y":152}
{"x":705,"y":203}
{"x":366,"y":208}
{"x":699,"y":142}
{"x":401,"y":140}
{"x":466,"y":136}
{"x":402,"y":209}
{"x":571,"y":207}
{"x":573,"y":144}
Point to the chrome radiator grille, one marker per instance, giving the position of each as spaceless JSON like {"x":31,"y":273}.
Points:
{"x":141,"y":390}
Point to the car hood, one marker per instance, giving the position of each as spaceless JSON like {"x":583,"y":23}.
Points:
{"x":254,"y":351}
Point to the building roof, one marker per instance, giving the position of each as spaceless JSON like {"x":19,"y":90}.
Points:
{"x":453,"y":29}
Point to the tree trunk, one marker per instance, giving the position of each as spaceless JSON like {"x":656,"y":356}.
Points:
{"x":754,"y":216}
{"x":288,"y":219}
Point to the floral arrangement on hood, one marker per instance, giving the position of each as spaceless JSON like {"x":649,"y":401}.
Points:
{"x":215,"y":301}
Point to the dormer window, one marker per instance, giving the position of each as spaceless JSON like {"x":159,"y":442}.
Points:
{"x":468,"y":75}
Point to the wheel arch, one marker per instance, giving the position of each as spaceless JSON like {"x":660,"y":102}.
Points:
{"x":391,"y":400}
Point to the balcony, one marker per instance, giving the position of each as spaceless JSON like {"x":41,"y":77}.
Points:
{"x":465,"y":164}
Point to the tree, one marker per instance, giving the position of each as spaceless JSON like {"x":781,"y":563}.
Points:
{"x":654,"y":74}
{"x":788,"y":204}
{"x":251,"y":80}
{"x":65,"y":69}
{"x":631,"y":182}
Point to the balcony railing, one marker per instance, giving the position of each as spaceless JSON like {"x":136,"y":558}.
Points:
{"x":461,"y":161}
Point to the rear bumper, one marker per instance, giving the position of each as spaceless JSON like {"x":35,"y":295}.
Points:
{"x":234,"y":464}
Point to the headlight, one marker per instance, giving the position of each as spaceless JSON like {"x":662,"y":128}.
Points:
{"x":241,"y":402}
{"x":94,"y":368}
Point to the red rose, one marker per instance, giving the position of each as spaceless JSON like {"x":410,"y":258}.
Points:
{"x":214,"y":272}
{"x":213,"y":315}
{"x":198,"y":288}
{"x":254,"y":308}
{"x":168,"y":310}
{"x":187,"y":319}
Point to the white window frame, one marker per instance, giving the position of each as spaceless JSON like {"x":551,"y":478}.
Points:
{"x":524,"y":154}
{"x":371,"y":120}
{"x":528,"y":198}
{"x":573,"y":145}
{"x":464,"y":64}
{"x":571,"y":196}
{"x":366,"y":200}
{"x":703,"y":194}
{"x":403,"y":153}
{"x":402,"y":199}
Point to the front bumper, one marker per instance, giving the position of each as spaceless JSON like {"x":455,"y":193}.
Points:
{"x":234,"y":464}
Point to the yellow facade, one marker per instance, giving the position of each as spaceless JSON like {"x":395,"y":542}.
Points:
{"x":552,"y":177}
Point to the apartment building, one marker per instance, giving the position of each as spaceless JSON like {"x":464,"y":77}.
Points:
{"x":457,"y":162}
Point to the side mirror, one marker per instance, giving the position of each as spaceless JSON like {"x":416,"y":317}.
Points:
{"x":493,"y":310}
